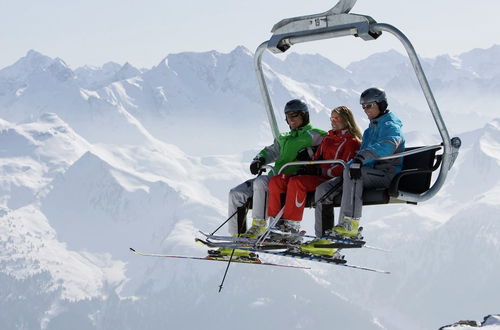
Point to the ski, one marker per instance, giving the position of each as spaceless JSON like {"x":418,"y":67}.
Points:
{"x":244,"y":240}
{"x":244,"y":245}
{"x":338,"y":243}
{"x":211,"y":258}
{"x":289,"y":253}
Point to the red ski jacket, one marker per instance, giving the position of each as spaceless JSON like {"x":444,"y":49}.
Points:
{"x":338,"y":144}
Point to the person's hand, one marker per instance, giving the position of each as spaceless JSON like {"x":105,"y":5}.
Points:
{"x":355,"y":168}
{"x":305,"y":154}
{"x":256,"y":165}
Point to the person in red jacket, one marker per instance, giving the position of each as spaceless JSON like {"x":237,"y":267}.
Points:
{"x":342,"y":142}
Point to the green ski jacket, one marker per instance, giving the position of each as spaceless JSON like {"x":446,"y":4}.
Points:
{"x":286,"y":147}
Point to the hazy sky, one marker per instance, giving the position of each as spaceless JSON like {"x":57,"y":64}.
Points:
{"x":143,"y":32}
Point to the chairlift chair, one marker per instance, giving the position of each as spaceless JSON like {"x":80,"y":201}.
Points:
{"x":413,"y":184}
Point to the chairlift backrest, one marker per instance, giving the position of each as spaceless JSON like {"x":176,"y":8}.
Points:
{"x":416,"y":174}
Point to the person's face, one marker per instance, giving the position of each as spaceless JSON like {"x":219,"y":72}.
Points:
{"x":371,"y":109}
{"x":337,"y":122}
{"x":294,"y":119}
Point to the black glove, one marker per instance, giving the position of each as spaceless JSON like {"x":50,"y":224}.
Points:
{"x":256,"y":165}
{"x":309,"y":170}
{"x":355,"y":168}
{"x":305,"y":153}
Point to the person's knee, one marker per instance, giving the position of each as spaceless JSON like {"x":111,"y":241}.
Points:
{"x":260,"y":183}
{"x":346,"y":174}
{"x":234,"y":193}
{"x":274,"y":184}
{"x":294,"y":182}
{"x":320,"y":191}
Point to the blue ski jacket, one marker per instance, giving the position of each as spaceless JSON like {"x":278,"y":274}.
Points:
{"x":383,"y":137}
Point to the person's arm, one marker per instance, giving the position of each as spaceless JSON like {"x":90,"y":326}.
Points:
{"x":317,"y":136}
{"x":265,"y":156}
{"x":270,"y":153}
{"x":389,"y":141}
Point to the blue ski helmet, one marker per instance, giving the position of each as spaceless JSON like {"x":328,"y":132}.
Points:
{"x":374,"y":94}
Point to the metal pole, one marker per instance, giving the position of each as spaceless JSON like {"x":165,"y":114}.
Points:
{"x":448,"y":149}
{"x":264,"y":90}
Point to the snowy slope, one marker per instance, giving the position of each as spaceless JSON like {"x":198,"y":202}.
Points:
{"x":32,"y":155}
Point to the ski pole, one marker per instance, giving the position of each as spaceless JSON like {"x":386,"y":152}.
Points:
{"x":225,"y":273}
{"x":329,"y":192}
{"x":232,"y":252}
{"x":232,"y":215}
{"x":224,"y":222}
{"x":272,"y":223}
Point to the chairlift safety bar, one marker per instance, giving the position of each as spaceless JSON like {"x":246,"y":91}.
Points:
{"x":344,"y":164}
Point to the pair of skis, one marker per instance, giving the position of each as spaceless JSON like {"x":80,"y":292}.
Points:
{"x":336,"y":242}
{"x":263,"y":245}
{"x":287,"y":250}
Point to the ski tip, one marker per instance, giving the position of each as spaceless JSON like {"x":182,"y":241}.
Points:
{"x":132,"y":250}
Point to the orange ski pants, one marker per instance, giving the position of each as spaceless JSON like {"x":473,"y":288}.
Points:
{"x":296,"y":189}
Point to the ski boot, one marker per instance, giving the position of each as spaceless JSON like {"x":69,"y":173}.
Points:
{"x":347,"y":228}
{"x":310,"y":248}
{"x":287,"y":232}
{"x":258,"y":228}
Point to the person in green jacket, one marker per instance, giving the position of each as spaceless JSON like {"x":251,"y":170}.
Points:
{"x":286,"y":148}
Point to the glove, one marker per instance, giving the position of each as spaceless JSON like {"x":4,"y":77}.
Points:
{"x":309,"y":170}
{"x":355,"y":168}
{"x":256,"y":165}
{"x":305,"y":153}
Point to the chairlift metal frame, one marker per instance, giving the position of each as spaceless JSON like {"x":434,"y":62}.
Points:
{"x":338,"y":22}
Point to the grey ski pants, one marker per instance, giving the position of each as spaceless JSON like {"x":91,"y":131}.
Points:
{"x":239,"y":195}
{"x":352,"y":196}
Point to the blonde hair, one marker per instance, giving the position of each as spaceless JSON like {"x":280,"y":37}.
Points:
{"x":348,"y":118}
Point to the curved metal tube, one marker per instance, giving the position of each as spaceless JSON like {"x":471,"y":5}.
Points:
{"x":424,"y":84}
{"x":344,"y":164}
{"x":264,"y":90}
{"x":313,"y":162}
{"x":410,"y":152}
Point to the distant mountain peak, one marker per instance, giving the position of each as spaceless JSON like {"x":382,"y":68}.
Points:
{"x":127,"y":71}
{"x":241,"y":50}
{"x":26,"y":65}
{"x":60,"y":70}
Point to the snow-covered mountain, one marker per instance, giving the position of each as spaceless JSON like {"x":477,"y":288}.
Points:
{"x":96,"y":160}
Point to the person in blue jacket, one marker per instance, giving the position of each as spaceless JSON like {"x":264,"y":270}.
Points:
{"x":382,"y":138}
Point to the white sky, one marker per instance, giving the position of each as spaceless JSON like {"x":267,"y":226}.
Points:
{"x":143,"y":32}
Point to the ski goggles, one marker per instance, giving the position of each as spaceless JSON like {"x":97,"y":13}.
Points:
{"x":368,"y":105}
{"x":292,"y":114}
{"x":336,"y":118}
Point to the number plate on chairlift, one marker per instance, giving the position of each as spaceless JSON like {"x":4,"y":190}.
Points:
{"x":318,"y":23}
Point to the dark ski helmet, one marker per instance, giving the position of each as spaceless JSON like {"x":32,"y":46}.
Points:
{"x":297,"y":105}
{"x":374,"y":95}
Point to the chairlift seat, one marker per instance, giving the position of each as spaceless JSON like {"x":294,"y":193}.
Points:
{"x":415,"y":177}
